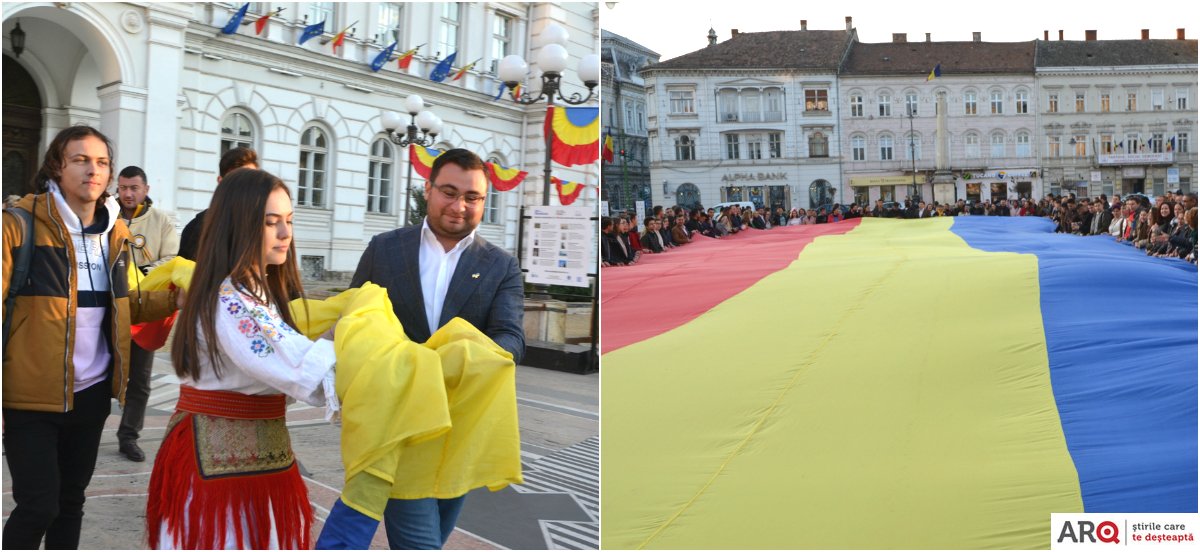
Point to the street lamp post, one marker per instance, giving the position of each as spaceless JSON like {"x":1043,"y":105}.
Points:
{"x":552,"y":60}
{"x":422,"y":130}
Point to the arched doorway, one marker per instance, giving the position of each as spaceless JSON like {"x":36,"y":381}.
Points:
{"x":687,"y":196}
{"x":820,"y":192}
{"x":22,"y":127}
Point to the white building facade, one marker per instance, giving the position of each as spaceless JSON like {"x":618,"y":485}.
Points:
{"x":988,"y":142}
{"x":1111,"y":127}
{"x":173,"y":94}
{"x":728,"y":123}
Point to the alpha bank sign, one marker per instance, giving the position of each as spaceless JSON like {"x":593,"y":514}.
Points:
{"x":1136,"y":158}
{"x":754,"y":177}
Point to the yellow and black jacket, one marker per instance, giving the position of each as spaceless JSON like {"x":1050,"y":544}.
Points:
{"x":39,"y":360}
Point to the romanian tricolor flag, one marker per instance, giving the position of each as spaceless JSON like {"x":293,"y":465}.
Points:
{"x":943,"y":383}
{"x":339,"y":39}
{"x":422,"y":158}
{"x":406,"y":58}
{"x":575,"y":132}
{"x":608,"y":149}
{"x":503,"y":178}
{"x":459,"y":74}
{"x":567,"y":191}
{"x":261,"y":23}
{"x":935,"y":73}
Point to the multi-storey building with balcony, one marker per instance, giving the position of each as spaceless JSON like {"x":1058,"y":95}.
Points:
{"x":627,"y":179}
{"x":174,"y":93}
{"x":1117,"y":116}
{"x":894,"y":139}
{"x":753,"y":118}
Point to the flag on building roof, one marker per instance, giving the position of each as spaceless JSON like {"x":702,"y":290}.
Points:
{"x":464,"y":70}
{"x":567,"y":191}
{"x":422,"y":158}
{"x":575,"y":132}
{"x":407,"y":57}
{"x":503,"y":178}
{"x":382,"y":57}
{"x":236,"y":21}
{"x":442,"y":70}
{"x":608,"y":148}
{"x":261,"y":23}
{"x":312,"y":31}
{"x":935,"y":73}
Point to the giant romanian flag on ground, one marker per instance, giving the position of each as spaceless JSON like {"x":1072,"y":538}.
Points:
{"x":880,"y":383}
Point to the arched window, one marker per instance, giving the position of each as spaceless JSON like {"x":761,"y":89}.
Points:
{"x":971,"y":145}
{"x":912,"y":145}
{"x":997,"y":141}
{"x":493,"y":204}
{"x":970,"y":102}
{"x":685,"y":148}
{"x":379,"y":177}
{"x":858,"y":148}
{"x":818,"y":145}
{"x":997,"y":101}
{"x":1023,"y":149}
{"x":314,"y":163}
{"x":885,"y":148}
{"x":751,"y":106}
{"x":236,"y":130}
{"x":1022,"y":101}
{"x":885,"y":104}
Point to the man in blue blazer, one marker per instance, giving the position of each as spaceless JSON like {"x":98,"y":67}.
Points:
{"x":434,"y":272}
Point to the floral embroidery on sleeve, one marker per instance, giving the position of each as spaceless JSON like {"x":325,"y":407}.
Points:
{"x":246,"y":323}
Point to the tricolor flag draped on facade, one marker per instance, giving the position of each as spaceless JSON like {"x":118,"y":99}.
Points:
{"x":949,"y":381}
{"x":422,"y":158}
{"x":575,"y":132}
{"x":568,"y":192}
{"x":608,"y":148}
{"x":503,"y":178}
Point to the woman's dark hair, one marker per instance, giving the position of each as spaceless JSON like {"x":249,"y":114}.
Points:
{"x":231,"y":245}
{"x":55,"y":160}
{"x":1156,"y":216}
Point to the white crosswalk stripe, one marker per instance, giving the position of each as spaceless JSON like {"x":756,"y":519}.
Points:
{"x":572,"y":470}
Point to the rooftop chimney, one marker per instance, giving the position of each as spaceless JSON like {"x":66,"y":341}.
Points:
{"x":849,"y":23}
{"x":1145,"y":34}
{"x":928,"y":38}
{"x":734,"y":33}
{"x":1179,"y":34}
{"x":1060,"y":35}
{"x":1046,"y":36}
{"x":975,"y":37}
{"x":803,"y":24}
{"x":1089,"y":35}
{"x":899,"y":37}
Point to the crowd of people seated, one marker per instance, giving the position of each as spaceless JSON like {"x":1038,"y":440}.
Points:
{"x":1164,"y":227}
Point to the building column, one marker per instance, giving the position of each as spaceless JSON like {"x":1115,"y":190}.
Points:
{"x":123,"y":119}
{"x":164,"y":63}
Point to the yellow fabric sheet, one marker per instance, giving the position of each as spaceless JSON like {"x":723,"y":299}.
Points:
{"x":400,"y":399}
{"x":888,"y":389}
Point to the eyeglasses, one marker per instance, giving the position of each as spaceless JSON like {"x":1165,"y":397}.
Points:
{"x":451,"y":194}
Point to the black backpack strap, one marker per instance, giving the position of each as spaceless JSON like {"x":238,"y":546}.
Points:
{"x":21,"y":262}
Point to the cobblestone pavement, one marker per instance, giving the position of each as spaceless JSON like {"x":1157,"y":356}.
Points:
{"x":556,"y":508}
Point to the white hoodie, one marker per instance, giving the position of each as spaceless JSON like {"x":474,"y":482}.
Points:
{"x":92,"y":355}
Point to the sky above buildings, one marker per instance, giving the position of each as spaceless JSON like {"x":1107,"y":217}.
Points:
{"x":673,"y":28}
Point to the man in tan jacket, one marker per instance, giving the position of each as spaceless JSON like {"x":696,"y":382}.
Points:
{"x":155,"y":241}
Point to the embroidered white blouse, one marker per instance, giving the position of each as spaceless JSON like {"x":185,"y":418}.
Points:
{"x":261,"y":355}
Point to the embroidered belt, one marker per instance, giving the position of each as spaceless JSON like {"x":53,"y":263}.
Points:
{"x":228,"y":404}
{"x":236,"y":434}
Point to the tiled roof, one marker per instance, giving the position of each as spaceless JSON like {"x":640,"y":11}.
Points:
{"x":1070,"y":53}
{"x":919,"y":58}
{"x":767,"y":50}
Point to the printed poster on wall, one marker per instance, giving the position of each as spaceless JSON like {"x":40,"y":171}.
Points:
{"x":559,"y":245}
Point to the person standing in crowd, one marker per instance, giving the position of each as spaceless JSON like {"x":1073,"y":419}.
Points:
{"x":69,"y":357}
{"x":434,"y":272}
{"x":235,"y":158}
{"x":239,"y":356}
{"x":154,"y":243}
{"x":652,"y":240}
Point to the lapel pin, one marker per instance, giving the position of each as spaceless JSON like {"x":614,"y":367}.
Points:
{"x":475,"y":275}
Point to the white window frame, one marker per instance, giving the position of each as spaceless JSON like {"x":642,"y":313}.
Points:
{"x":236,"y":138}
{"x":682,"y":102}
{"x":1081,"y":141}
{"x":885,"y":104}
{"x":313,"y":168}
{"x":996,"y":101}
{"x":1106,"y":143}
{"x":910,"y":103}
{"x":1157,"y":99}
{"x":502,"y":32}
{"x":449,"y":29}
{"x":913,"y":141}
{"x":1131,"y":101}
{"x":996,"y":143}
{"x":817,"y":141}
{"x":970,"y":102}
{"x":1105,"y":102}
{"x":1181,"y":99}
{"x":733,"y":150}
{"x":856,"y":105}
{"x":887,"y":150}
{"x":493,"y":202}
{"x":1181,"y":142}
{"x":323,"y":11}
{"x":971,"y":145}
{"x":819,"y":102}
{"x":1157,"y":143}
{"x":773,"y":105}
{"x":1080,"y":102}
{"x":389,"y":19}
{"x":1052,"y":103}
{"x":858,"y":148}
{"x":1022,"y":102}
{"x":685,"y":148}
{"x":1053,"y":146}
{"x":381,"y":176}
{"x":754,"y":143}
{"x":1023,"y":145}
{"x":775,"y":145}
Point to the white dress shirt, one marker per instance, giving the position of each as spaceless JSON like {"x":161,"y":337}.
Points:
{"x":437,"y":267}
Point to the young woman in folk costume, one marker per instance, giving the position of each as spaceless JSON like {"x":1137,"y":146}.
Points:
{"x":225,"y":476}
